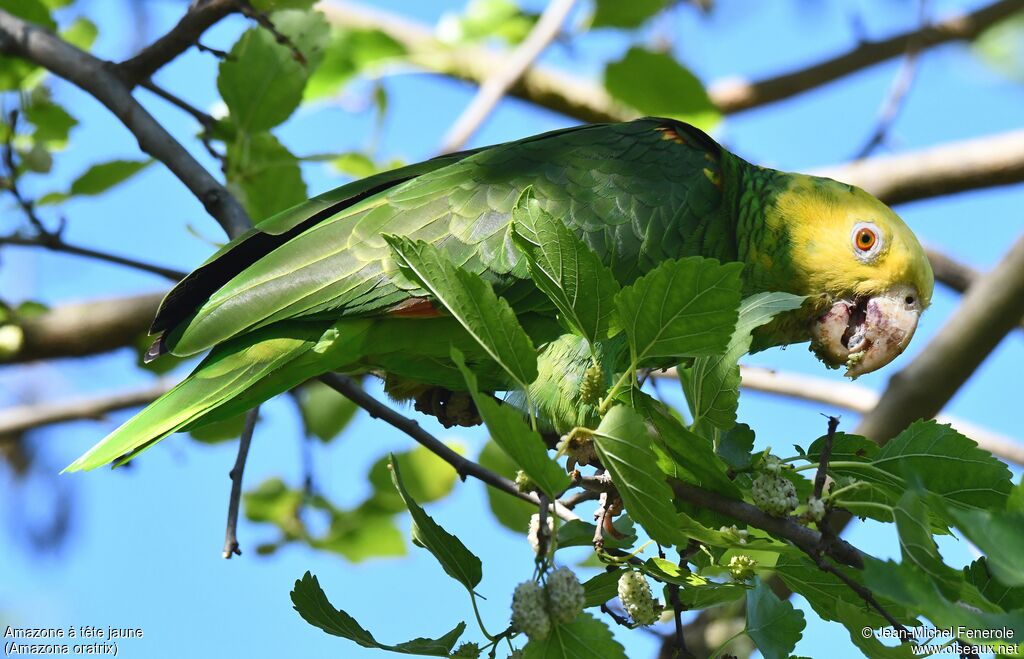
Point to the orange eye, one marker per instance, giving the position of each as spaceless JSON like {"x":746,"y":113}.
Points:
{"x":865,"y":239}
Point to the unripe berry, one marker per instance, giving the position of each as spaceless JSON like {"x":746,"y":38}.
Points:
{"x":635,"y":593}
{"x":529,"y":612}
{"x":467,"y":650}
{"x":565,"y":596}
{"x":815,"y":509}
{"x":524,"y":483}
{"x":774,"y":494}
{"x":742,"y":567}
{"x":593,"y":387}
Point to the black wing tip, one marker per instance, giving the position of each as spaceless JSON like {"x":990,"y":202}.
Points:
{"x":156,"y":349}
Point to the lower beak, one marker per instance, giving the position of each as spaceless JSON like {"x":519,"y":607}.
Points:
{"x":866,"y":333}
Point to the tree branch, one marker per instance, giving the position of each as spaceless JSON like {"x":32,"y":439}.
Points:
{"x":85,"y":328}
{"x":977,"y":163}
{"x":201,"y":15}
{"x":589,"y":102}
{"x":463,"y":466}
{"x":734,"y":96}
{"x":22,"y":39}
{"x":498,"y":82}
{"x":28,"y":417}
{"x":55,"y":243}
{"x":231,"y":547}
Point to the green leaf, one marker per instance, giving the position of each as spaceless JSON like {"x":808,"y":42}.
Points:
{"x":656,"y":84}
{"x":426,"y":477}
{"x":1015,"y":502}
{"x":456,"y":560}
{"x":712,"y":384}
{"x":488,"y":318}
{"x":261,"y":81}
{"x":947,"y":464}
{"x":601,"y":588}
{"x":219,"y":431}
{"x":909,"y":586}
{"x":735,"y":445}
{"x":264,"y":174}
{"x":695,"y":592}
{"x":273,"y":502}
{"x":361,"y":534}
{"x":586,"y":636}
{"x":103,"y":176}
{"x":917,"y":545}
{"x":52,"y":122}
{"x":682,"y":308}
{"x":32,"y":11}
{"x":484,"y":19}
{"x":577,"y":533}
{"x":510,"y":432}
{"x":81,"y":33}
{"x":348,"y":54}
{"x":624,"y":445}
{"x":1001,"y":536}
{"x":980,"y":576}
{"x":312,"y":604}
{"x":324,"y":413}
{"x":565,"y":269}
{"x":511,"y":512}
{"x":775,"y":626}
{"x":617,"y":13}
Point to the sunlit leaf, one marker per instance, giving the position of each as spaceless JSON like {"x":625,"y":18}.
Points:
{"x":774,"y":625}
{"x":586,"y":636}
{"x":656,"y":84}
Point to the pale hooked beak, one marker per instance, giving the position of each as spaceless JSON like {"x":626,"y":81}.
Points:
{"x":867,"y":333}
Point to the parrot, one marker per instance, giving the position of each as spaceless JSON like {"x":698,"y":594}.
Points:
{"x":316,"y":288}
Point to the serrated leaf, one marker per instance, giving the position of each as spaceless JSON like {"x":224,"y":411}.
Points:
{"x":426,"y":478}
{"x":103,"y":176}
{"x":616,"y":13}
{"x":1001,"y":536}
{"x":656,"y":84}
{"x":264,"y":174}
{"x":909,"y":586}
{"x":735,"y":445}
{"x":601,"y":588}
{"x":565,"y":269}
{"x":511,"y":512}
{"x":980,"y":576}
{"x":917,"y":545}
{"x":261,"y":81}
{"x":775,"y":626}
{"x":585,"y":637}
{"x":683,"y":308}
{"x":712,"y":384}
{"x":518,"y":440}
{"x":488,"y":318}
{"x":623,"y":442}
{"x":456,"y":560}
{"x":312,"y":604}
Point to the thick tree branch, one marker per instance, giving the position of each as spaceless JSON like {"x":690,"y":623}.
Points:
{"x":85,"y":328}
{"x":22,"y":39}
{"x":201,"y":15}
{"x":982,"y":162}
{"x":495,"y":85}
{"x":463,"y":466}
{"x":589,"y":102}
{"x":28,"y":417}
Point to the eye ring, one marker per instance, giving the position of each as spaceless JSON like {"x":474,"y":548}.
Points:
{"x":867,"y":240}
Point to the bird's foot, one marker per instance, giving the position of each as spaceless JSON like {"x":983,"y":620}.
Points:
{"x":451,"y":408}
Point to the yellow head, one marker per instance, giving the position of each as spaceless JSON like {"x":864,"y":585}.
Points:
{"x":868,"y":273}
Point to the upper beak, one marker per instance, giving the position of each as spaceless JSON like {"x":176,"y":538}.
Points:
{"x":867,"y":333}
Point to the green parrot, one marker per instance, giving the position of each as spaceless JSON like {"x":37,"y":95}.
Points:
{"x":316,"y":288}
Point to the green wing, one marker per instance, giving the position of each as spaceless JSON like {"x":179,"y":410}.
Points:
{"x":636,"y":193}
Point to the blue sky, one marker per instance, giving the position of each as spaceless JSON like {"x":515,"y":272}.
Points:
{"x":144,"y":544}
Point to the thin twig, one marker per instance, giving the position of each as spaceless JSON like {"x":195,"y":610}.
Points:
{"x":264,"y":22}
{"x":205,"y":120}
{"x":866,"y":595}
{"x":498,"y":83}
{"x":898,"y":89}
{"x":464,"y":467}
{"x":826,"y":454}
{"x":619,"y":619}
{"x":231,"y":547}
{"x":57,"y":244}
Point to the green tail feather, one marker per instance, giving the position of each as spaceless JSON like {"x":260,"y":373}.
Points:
{"x":234,"y":377}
